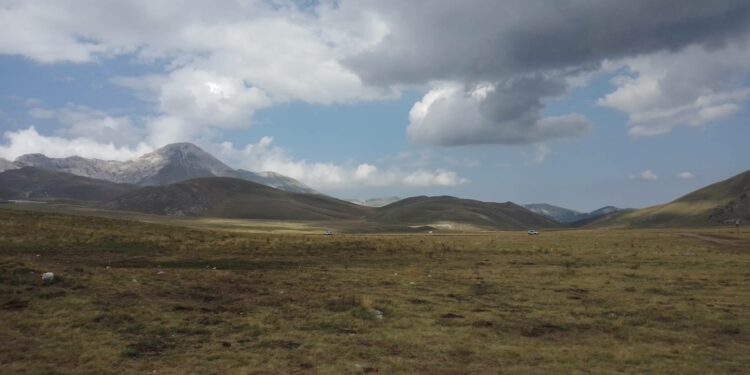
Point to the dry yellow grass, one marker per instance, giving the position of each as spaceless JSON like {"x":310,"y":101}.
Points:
{"x":689,"y":212}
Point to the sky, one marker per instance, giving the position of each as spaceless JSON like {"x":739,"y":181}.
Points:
{"x":576,"y":103}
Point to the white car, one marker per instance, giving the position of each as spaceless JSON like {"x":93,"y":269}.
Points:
{"x":328,"y":233}
{"x":533,"y":233}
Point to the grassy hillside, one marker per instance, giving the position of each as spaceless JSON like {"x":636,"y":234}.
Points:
{"x":719,"y":203}
{"x":444,"y":209}
{"x":570,"y":217}
{"x":234,"y":198}
{"x":39,"y":184}
{"x":134,"y":298}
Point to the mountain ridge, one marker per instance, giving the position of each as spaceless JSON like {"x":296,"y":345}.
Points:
{"x":233,"y":198}
{"x":169,"y":164}
{"x":375,"y":202}
{"x":721,"y":202}
{"x":426,"y":210}
{"x":41,"y":184}
{"x":568,"y":216}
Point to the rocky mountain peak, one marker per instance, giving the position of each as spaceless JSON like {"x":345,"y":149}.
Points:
{"x":188,"y":155}
{"x":183,"y":148}
{"x":31,"y":158}
{"x":169,"y":164}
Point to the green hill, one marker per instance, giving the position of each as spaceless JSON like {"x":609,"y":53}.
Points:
{"x":448,"y":210}
{"x":233,"y":198}
{"x":31,"y":183}
{"x":719,"y":203}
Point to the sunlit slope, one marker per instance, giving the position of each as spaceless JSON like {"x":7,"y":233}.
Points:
{"x":41,"y":184}
{"x":722,"y":202}
{"x":445,"y":209}
{"x":234,"y":198}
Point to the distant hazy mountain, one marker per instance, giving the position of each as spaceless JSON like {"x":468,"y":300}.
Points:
{"x":606,"y":210}
{"x":172,"y":163}
{"x":233,"y":198}
{"x":6,"y":164}
{"x":568,"y":216}
{"x":430,"y":210}
{"x":559,"y":214}
{"x":36,"y":183}
{"x":722,"y":202}
{"x":375,"y":202}
{"x":600,"y":214}
{"x":92,"y":168}
{"x":275,"y":180}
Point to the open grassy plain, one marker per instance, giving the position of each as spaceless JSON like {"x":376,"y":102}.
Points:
{"x":232,"y":225}
{"x":135,"y":297}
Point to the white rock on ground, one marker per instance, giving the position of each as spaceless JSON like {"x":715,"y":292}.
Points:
{"x":48,"y":277}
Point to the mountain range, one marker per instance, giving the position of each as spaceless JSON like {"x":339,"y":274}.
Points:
{"x":183,"y":180}
{"x":172,"y":163}
{"x":29,"y":183}
{"x":234,"y":198}
{"x":375,"y":202}
{"x":230,"y":197}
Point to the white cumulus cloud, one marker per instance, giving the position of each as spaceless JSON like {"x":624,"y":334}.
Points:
{"x":220,"y":62}
{"x":29,"y":141}
{"x":488,"y":67}
{"x":83,"y":122}
{"x":205,"y":98}
{"x":646,"y":175}
{"x":689,"y":88}
{"x":451,"y":114}
{"x":265,"y":156}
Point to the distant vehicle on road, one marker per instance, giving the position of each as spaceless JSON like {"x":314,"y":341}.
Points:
{"x":328,"y":233}
{"x":533,"y":233}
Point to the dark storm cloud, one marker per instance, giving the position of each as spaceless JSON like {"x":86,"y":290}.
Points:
{"x":485,"y":40}
{"x":526,"y":50}
{"x":520,"y":98}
